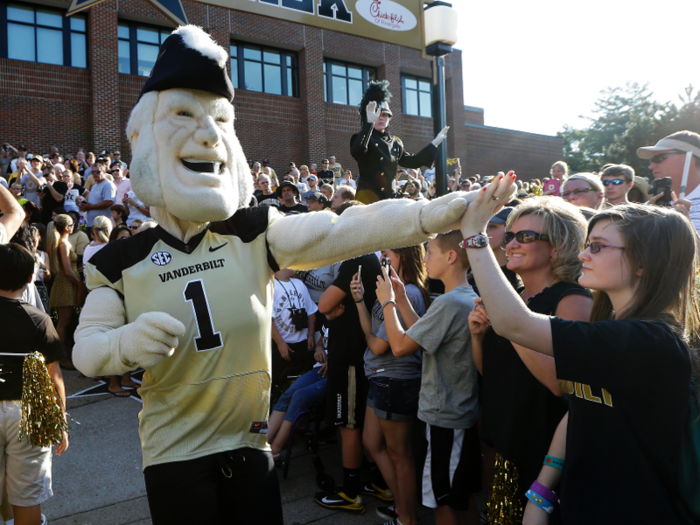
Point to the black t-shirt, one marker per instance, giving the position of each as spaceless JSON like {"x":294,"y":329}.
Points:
{"x":299,"y":208}
{"x":325,"y":177}
{"x":512,"y":277}
{"x":346,"y":342}
{"x":24,"y":330}
{"x":48,"y":204}
{"x":268,"y":200}
{"x":628,"y":407}
{"x":520,"y":414}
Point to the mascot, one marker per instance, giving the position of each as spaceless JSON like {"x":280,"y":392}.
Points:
{"x":377,"y":153}
{"x":191,"y":300}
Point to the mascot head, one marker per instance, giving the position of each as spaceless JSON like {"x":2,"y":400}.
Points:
{"x":377,"y":91}
{"x":186,"y":156}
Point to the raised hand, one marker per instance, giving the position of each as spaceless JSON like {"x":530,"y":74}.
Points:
{"x":441,"y":136}
{"x":372,"y":111}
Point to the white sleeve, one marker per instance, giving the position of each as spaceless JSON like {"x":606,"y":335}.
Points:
{"x":3,"y":234}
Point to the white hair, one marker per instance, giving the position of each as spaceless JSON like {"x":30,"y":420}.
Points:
{"x":196,"y":38}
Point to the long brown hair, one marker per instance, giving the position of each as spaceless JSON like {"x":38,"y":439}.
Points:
{"x":56,"y":228}
{"x":412,"y":270}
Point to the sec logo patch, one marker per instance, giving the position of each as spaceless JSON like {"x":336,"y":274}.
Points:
{"x":161,"y":258}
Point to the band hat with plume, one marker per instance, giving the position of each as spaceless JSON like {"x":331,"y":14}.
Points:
{"x":377,"y":91}
{"x":190,"y":59}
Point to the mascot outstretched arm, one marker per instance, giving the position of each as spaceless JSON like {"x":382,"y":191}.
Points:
{"x":190,"y":301}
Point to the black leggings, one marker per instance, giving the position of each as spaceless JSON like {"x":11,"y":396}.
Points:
{"x":233,"y":487}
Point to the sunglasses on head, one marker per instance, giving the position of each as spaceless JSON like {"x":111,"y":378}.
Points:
{"x":581,"y":191}
{"x":595,"y":246}
{"x":614,"y":182}
{"x":658,"y":159}
{"x":525,"y":236}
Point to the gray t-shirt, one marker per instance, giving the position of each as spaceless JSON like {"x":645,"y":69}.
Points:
{"x":318,"y":280}
{"x":448,"y":391}
{"x":103,"y":191}
{"x":387,"y":364}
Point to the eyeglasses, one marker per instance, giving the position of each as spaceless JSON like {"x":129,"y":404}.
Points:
{"x":658,"y":159}
{"x":595,"y":246}
{"x":567,"y":194}
{"x":525,"y":236}
{"x":114,"y":171}
{"x":614,"y":182}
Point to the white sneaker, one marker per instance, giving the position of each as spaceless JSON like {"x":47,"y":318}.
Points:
{"x":44,"y":521}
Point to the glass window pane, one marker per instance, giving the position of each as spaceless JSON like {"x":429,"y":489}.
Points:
{"x":147,"y":55}
{"x":234,"y":72}
{"x":20,"y":42}
{"x":253,"y":76}
{"x":411,"y":102}
{"x":78,"y":24}
{"x":20,"y":13}
{"x":233,"y":51}
{"x":164,"y":33}
{"x":146,"y":34}
{"x":124,"y":57}
{"x":45,"y":17}
{"x":49,"y":46}
{"x":424,"y":86}
{"x":78,"y":50}
{"x":425,"y":105}
{"x":340,"y":90}
{"x":290,"y":82}
{"x":288,"y":60}
{"x":123,"y":31}
{"x":355,"y":95}
{"x":273,"y":79}
{"x":410,"y":83}
{"x":272,"y":57}
{"x":355,"y":72}
{"x":252,"y":53}
{"x":338,"y":69}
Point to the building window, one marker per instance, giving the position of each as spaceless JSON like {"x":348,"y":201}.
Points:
{"x":138,"y":47}
{"x":264,"y":69}
{"x":42,"y":34}
{"x":346,"y":83}
{"x":417,"y":96}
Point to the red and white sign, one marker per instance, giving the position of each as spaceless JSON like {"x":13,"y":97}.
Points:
{"x":386,"y":14}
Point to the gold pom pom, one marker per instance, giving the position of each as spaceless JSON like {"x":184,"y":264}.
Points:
{"x":505,"y":505}
{"x":42,"y":418}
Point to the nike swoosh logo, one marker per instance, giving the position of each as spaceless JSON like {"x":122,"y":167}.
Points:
{"x":213,"y":249}
{"x":325,"y":500}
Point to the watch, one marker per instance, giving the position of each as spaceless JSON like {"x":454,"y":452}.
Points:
{"x":475,"y":241}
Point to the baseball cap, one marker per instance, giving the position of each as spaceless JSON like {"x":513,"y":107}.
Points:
{"x":286,"y":184}
{"x":502,"y":216}
{"x":318,"y":197}
{"x":104,"y":152}
{"x":680,"y":141}
{"x":35,"y":157}
{"x":22,"y":147}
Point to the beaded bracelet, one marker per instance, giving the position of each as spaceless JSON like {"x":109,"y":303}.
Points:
{"x":540,"y":501}
{"x":551,"y":461}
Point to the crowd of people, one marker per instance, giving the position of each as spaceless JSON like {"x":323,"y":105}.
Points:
{"x":543,"y":352}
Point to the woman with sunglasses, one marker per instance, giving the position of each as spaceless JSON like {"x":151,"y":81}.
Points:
{"x":583,"y":190}
{"x":522,"y":403}
{"x":627,"y":373}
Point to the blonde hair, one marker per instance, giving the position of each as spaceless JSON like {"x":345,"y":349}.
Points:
{"x":566,"y":227}
{"x":101,"y":229}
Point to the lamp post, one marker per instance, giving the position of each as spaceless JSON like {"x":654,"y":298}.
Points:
{"x":440,"y":30}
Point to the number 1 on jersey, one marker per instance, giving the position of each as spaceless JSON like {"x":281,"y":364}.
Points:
{"x":207,"y":339}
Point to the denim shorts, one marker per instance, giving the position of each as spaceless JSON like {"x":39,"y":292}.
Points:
{"x":304,"y":392}
{"x":394,"y":399}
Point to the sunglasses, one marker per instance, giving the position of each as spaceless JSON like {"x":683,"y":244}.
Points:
{"x":525,"y":236}
{"x":114,"y":171}
{"x":134,"y":227}
{"x":595,"y":246}
{"x":567,"y":194}
{"x":658,"y":159}
{"x":614,"y":182}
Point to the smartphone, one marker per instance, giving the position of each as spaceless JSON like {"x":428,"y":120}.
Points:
{"x":359,"y":273}
{"x":386,"y":263}
{"x":551,"y":187}
{"x":662,"y":186}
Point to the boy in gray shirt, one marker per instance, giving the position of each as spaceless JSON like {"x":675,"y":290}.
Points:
{"x":447,"y":409}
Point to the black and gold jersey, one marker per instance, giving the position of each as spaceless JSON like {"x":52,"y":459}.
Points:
{"x":204,"y":398}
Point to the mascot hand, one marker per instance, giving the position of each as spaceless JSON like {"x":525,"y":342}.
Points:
{"x":443,"y":214}
{"x":441,"y":136}
{"x":373,"y":112}
{"x":150,"y":339}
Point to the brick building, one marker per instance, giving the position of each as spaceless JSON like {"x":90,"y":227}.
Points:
{"x":297,"y":85}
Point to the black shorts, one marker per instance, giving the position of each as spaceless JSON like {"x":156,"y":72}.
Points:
{"x":346,"y":395}
{"x":450,"y":462}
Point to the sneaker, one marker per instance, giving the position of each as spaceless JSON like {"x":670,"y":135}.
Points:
{"x":340,"y":501}
{"x":387,"y":513}
{"x":370,"y":489}
{"x":393,"y":522}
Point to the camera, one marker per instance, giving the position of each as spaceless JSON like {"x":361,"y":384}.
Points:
{"x":299,"y":318}
{"x":386,"y":263}
{"x":662,"y":186}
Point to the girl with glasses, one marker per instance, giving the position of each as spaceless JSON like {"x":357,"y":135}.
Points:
{"x":522,"y":401}
{"x":64,"y":261}
{"x":627,"y":373}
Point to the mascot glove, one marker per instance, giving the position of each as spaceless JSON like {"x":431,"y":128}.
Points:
{"x":441,"y":136}
{"x":149,"y":339}
{"x":373,"y":112}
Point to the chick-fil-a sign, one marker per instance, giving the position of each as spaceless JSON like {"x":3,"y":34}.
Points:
{"x":386,"y":14}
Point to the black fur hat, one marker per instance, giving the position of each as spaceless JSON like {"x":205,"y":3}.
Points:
{"x":377,"y":91}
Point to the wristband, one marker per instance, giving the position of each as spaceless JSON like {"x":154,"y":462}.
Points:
{"x":360,"y":300}
{"x":551,"y":461}
{"x":540,"y":501}
{"x":387,"y":302}
{"x":547,"y":493}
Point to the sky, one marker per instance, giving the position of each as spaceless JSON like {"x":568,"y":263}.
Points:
{"x":539,"y":65}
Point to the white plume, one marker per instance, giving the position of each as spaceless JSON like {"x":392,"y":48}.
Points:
{"x":196,"y":38}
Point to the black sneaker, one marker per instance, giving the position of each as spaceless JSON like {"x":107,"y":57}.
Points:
{"x":370,"y":489}
{"x":388,"y":513}
{"x":392,"y":522}
{"x":338,"y":500}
